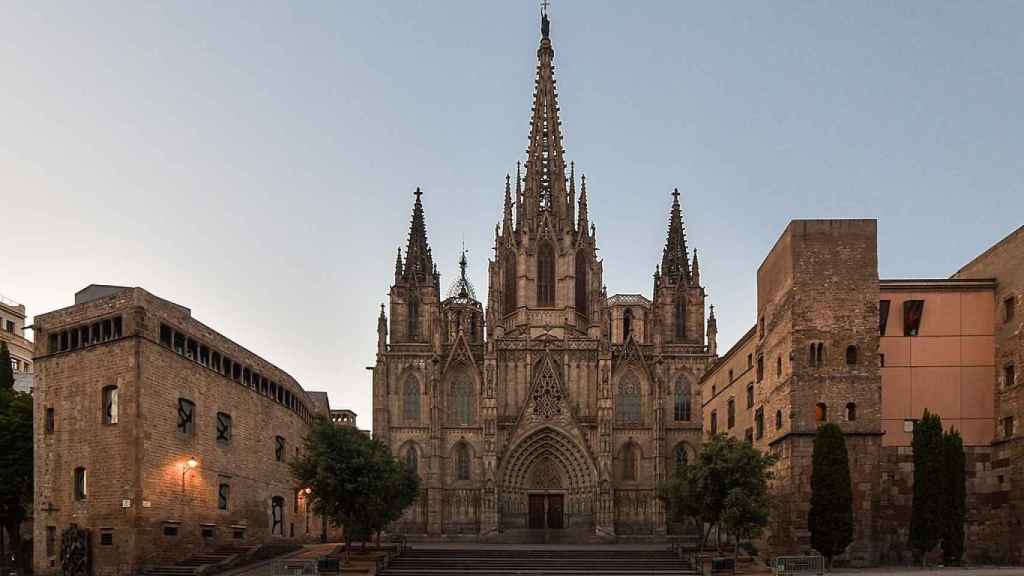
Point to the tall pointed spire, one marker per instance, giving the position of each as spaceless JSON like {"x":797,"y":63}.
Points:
{"x":419,"y":264}
{"x":571,"y":200}
{"x":519,"y":195}
{"x":507,"y":219}
{"x":398,"y":266}
{"x":582,"y":215}
{"x":545,"y":165}
{"x":695,"y":270}
{"x":674,"y":260}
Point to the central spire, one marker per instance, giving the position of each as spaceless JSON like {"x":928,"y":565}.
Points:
{"x":545,"y":165}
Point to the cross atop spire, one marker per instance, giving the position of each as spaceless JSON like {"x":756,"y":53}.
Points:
{"x":675,"y":262}
{"x":419,"y":264}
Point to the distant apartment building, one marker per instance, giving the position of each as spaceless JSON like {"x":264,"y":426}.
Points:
{"x":12,"y":332}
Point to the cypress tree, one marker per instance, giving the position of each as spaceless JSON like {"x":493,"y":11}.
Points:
{"x":831,"y":517}
{"x":955,"y":496}
{"x":926,"y":521}
{"x":6,"y":372}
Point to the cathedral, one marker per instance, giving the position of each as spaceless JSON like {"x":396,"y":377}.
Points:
{"x":555,"y":406}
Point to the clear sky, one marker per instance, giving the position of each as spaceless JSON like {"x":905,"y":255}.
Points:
{"x":255,"y":162}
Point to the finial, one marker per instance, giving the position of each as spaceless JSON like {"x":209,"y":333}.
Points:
{"x":545,"y":24}
{"x":675,"y":195}
{"x":418,"y":193}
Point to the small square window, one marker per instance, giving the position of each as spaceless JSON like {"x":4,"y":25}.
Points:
{"x":81,"y":484}
{"x":913,"y":310}
{"x":170,"y":529}
{"x":106,"y":537}
{"x":1008,"y":427}
{"x":110,"y":405}
{"x":223,"y":428}
{"x":238,"y":533}
{"x":223,"y":496}
{"x":1008,"y":309}
{"x":279,"y":448}
{"x":209,"y":532}
{"x":908,"y":426}
{"x":49,"y":421}
{"x":1009,"y":375}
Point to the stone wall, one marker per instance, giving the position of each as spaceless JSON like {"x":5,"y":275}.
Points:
{"x":143,"y":504}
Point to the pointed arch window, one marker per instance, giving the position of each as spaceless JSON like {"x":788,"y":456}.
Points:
{"x":628,"y":399}
{"x":627,"y":324}
{"x":414,"y":316}
{"x":412,"y":460}
{"x":462,"y":402}
{"x":582,"y":307}
{"x":680,"y":319}
{"x":546,"y":275}
{"x":681,"y":457}
{"x":461,"y":462}
{"x":682,"y":401}
{"x":510,"y":284}
{"x":629,"y":462}
{"x":411,"y":399}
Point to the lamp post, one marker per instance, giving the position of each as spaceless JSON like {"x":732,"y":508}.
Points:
{"x":189,"y":464}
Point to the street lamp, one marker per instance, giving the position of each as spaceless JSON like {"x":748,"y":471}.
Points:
{"x":189,"y":464}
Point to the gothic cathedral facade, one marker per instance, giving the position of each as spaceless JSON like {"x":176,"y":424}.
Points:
{"x":556,"y":406}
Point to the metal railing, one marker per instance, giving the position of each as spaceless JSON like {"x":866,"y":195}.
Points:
{"x":295,"y":568}
{"x":785,"y":565}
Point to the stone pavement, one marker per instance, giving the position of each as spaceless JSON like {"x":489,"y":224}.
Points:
{"x":951,"y":571}
{"x":308,"y":552}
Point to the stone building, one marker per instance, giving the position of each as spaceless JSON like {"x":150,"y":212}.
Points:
{"x":160,"y":436}
{"x":832,"y":342}
{"x":559,"y":406}
{"x":570,"y":407}
{"x":12,"y":333}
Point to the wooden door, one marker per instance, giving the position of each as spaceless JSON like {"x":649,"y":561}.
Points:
{"x":555,"y":515}
{"x":536,"y":511}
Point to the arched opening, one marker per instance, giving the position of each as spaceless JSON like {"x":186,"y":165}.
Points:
{"x":414,"y":316}
{"x":680,"y":455}
{"x":851,"y":355}
{"x":629,"y":462}
{"x":510,"y":284}
{"x":411,"y":399}
{"x":582,"y":301}
{"x":682,"y":400}
{"x":462,"y":461}
{"x":462,"y":401}
{"x":680,"y":318}
{"x":546,"y":274}
{"x":627,"y":401}
{"x":820,"y":412}
{"x":851,"y":412}
{"x":627,"y":324}
{"x":411,"y":457}
{"x":778,"y":419}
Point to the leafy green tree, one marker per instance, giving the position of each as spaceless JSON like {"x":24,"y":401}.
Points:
{"x":830,"y":519}
{"x":954,"y":497}
{"x":354,"y":480}
{"x":723,"y":467}
{"x":6,"y":372}
{"x":15,"y":463}
{"x":745,"y":515}
{"x":926,"y":524}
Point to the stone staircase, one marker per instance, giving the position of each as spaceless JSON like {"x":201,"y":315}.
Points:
{"x":480,"y":560}
{"x":198,"y":563}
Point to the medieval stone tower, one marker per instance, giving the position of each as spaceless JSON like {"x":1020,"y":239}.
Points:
{"x":557,"y":406}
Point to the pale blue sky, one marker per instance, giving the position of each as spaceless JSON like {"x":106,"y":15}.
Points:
{"x":256,"y":161}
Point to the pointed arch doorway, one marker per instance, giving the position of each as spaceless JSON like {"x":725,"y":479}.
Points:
{"x":547,"y":482}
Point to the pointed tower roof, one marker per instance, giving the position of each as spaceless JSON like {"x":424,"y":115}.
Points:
{"x":462,"y":289}
{"x":506,"y":221}
{"x":582,"y":215}
{"x":545,"y":164}
{"x":674,"y":260}
{"x":419,"y":264}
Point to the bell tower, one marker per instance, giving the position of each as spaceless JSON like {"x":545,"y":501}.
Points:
{"x":678,"y":295}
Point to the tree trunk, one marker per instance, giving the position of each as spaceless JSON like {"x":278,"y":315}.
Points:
{"x":735,"y":552}
{"x":704,"y":541}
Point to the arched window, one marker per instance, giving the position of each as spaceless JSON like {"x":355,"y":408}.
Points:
{"x":414,"y":316}
{"x":628,"y":400}
{"x":821,"y":412}
{"x":462,"y":402}
{"x":680,"y":318}
{"x":681,"y":457}
{"x":629,"y":462}
{"x":461,"y":462}
{"x":627,"y":323}
{"x":510,"y":284}
{"x":819,"y":355}
{"x":778,"y":419}
{"x":411,"y":399}
{"x":851,"y":355}
{"x":682,"y":401}
{"x":778,"y":366}
{"x":851,"y":412}
{"x":546,"y":275}
{"x":582,"y":301}
{"x":412,"y":460}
